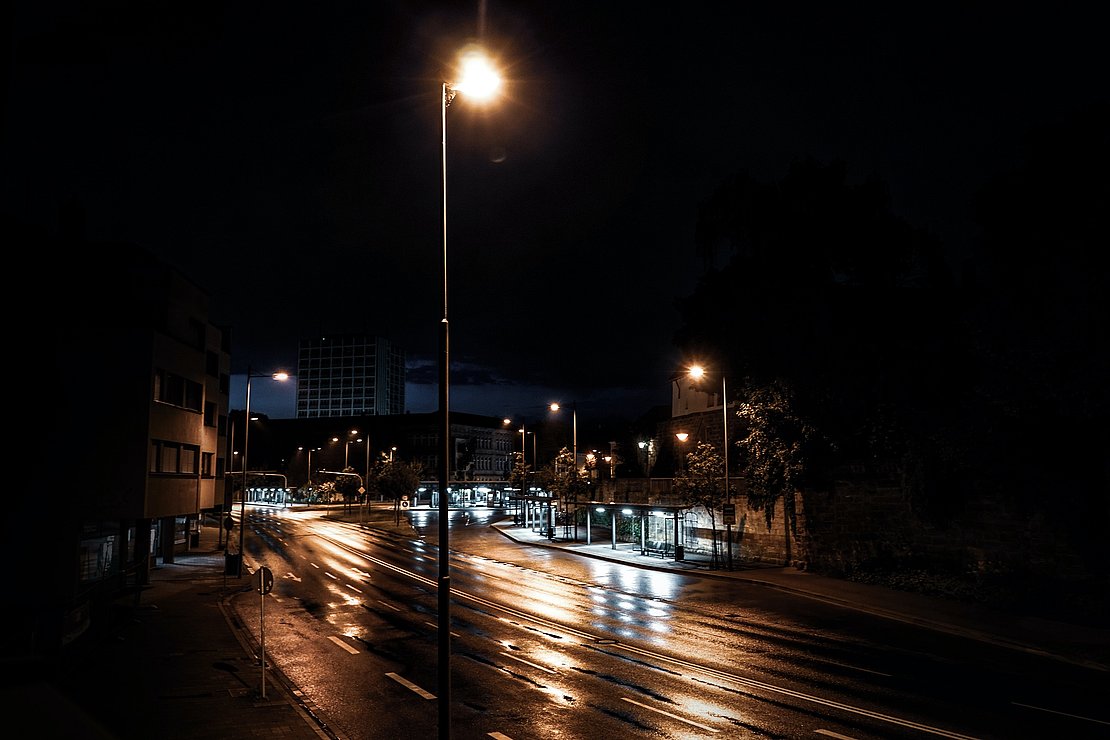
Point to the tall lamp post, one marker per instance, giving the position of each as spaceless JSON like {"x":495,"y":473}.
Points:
{"x":697,"y":372}
{"x":523,"y":452}
{"x":479,"y":80}
{"x":574,"y":431}
{"x":574,"y":453}
{"x":282,"y":376}
{"x":347,"y":448}
{"x":308,"y":475}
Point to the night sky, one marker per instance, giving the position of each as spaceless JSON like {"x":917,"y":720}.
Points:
{"x":287,"y":157}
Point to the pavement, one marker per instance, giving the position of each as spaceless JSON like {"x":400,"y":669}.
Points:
{"x":176,"y":661}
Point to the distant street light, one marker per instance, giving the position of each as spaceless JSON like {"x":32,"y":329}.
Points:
{"x":477,"y":79}
{"x":347,"y":448}
{"x":682,"y":437}
{"x":534,"y":463}
{"x":282,"y":376}
{"x":697,"y":372}
{"x":648,"y":449}
{"x":574,"y":431}
{"x":308,"y":476}
{"x":574,"y":444}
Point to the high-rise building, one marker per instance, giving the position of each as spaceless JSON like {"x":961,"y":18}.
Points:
{"x":349,"y":375}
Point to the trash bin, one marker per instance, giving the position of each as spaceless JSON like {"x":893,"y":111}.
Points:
{"x":194,"y":539}
{"x":231,"y":563}
{"x":679,"y":552}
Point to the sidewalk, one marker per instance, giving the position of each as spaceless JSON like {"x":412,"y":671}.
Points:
{"x":1083,"y":646}
{"x":179,"y":664}
{"x":176,"y":663}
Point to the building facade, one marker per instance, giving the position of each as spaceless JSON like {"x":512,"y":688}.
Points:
{"x":134,"y":378}
{"x":349,"y":375}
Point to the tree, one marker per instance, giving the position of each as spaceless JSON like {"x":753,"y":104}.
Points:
{"x":347,"y":486}
{"x":835,"y":305}
{"x":701,"y":483}
{"x":394,"y":479}
{"x":1042,"y":329}
{"x":518,"y":476}
{"x":775,"y":449}
{"x":325,"y":492}
{"x":565,"y":482}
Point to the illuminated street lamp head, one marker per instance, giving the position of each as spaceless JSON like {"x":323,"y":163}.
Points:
{"x":477,"y":77}
{"x":697,"y":372}
{"x":554,"y":407}
{"x":280,"y":376}
{"x":682,"y":436}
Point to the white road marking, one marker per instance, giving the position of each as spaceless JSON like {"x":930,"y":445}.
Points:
{"x":435,"y":626}
{"x":290,"y":576}
{"x":1063,"y":714}
{"x":499,"y":736}
{"x":387,"y":604}
{"x":411,"y":686}
{"x":356,"y":590}
{"x":343,"y":645}
{"x":837,"y":735}
{"x":672,"y":716}
{"x":528,"y":662}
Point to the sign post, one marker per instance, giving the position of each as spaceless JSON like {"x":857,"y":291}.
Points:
{"x":263,"y":584}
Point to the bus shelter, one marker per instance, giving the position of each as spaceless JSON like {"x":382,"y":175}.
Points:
{"x":655,"y":527}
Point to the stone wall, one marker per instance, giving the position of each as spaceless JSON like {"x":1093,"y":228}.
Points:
{"x":856,"y":526}
{"x":753,"y":538}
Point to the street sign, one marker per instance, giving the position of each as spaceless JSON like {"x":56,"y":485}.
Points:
{"x":263,"y":580}
{"x":361,"y":490}
{"x":729,"y":511}
{"x":405,"y":503}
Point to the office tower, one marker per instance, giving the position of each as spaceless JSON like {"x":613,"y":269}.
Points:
{"x":349,"y":375}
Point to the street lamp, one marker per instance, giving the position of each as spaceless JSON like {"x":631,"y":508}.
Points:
{"x":697,"y":372}
{"x":347,"y":447}
{"x":574,"y":431}
{"x":682,"y":437}
{"x":574,"y":445}
{"x":534,"y":464}
{"x":477,"y":79}
{"x":523,"y":436}
{"x":282,"y":376}
{"x":308,"y":476}
{"x":648,"y":448}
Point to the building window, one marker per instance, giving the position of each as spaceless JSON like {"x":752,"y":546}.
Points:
{"x":169,"y":460}
{"x":175,"y":390}
{"x":172,"y":458}
{"x":187,"y":460}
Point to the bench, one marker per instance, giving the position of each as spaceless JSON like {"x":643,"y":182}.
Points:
{"x":662,"y":549}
